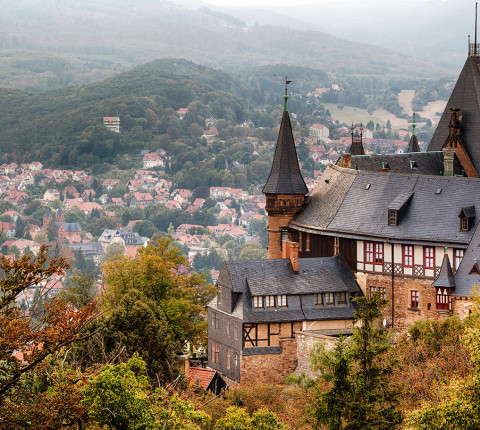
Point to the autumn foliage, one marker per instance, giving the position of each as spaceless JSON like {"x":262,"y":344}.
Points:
{"x":28,"y":337}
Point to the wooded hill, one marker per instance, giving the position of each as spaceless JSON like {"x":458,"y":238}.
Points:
{"x":48,"y":44}
{"x":65,"y":126}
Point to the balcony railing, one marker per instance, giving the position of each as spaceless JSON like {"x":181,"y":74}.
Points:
{"x":474,"y":49}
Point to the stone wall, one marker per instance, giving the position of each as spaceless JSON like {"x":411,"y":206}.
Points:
{"x":305,"y":343}
{"x":273,"y":368}
{"x":461,"y":306}
{"x":404,"y":314}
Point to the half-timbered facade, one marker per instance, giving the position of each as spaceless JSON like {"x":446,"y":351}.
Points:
{"x":260,"y":306}
{"x":395,"y":232}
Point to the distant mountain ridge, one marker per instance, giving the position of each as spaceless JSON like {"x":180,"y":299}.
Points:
{"x":48,"y":44}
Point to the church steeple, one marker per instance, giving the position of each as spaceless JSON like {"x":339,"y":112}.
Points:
{"x":285,"y":188}
{"x":413,"y":144}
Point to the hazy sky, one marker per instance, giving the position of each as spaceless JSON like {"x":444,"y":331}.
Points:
{"x":240,"y":3}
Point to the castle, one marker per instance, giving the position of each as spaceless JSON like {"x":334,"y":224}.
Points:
{"x":402,"y":225}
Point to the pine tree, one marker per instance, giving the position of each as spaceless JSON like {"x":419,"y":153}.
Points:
{"x":361,"y":396}
{"x":373,"y":400}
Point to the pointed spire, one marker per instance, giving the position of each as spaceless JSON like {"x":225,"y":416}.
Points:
{"x":413,"y":145}
{"x":356,"y":148}
{"x":285,"y":176}
{"x":445,"y":278}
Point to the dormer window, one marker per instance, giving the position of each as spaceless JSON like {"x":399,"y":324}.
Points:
{"x":282,"y":300}
{"x":466,"y":215}
{"x":257,"y":302}
{"x":270,"y":301}
{"x":341,"y":299}
{"x":392,"y":217}
{"x":329,"y":299}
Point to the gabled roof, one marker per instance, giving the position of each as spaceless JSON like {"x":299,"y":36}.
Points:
{"x":401,"y":200}
{"x":318,"y":275}
{"x":466,"y":97}
{"x":360,"y":211}
{"x":202,"y":376}
{"x":272,"y":277}
{"x":467,"y":212}
{"x":445,"y":278}
{"x":285,"y":176}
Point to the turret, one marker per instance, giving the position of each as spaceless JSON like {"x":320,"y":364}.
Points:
{"x":285,"y":188}
{"x":356,"y":148}
{"x":413,"y":144}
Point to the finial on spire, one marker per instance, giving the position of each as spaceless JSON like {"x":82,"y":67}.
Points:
{"x":285,"y":108}
{"x":475,"y":47}
{"x":413,"y":124}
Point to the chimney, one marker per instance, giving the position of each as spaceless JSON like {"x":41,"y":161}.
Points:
{"x":385,"y":167}
{"x":184,"y":364}
{"x":448,"y":156}
{"x":345,"y":161}
{"x":294,"y":256}
{"x":290,"y":251}
{"x":454,"y":123}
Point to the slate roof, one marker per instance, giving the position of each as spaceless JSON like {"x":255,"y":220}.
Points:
{"x":445,"y":277}
{"x":272,"y":277}
{"x":285,"y":176}
{"x":70,"y":226}
{"x":356,"y":148}
{"x":413,"y":144}
{"x":361,"y":210}
{"x":90,"y":247}
{"x":465,"y":96}
{"x":464,"y":279}
{"x":423,"y":163}
{"x":130,"y":237}
{"x":403,"y":198}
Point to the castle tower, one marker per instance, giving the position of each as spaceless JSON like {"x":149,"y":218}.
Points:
{"x":46,"y":218}
{"x":285,"y":188}
{"x":59,"y":216}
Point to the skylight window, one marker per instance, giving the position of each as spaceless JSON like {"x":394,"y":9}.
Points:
{"x":367,"y":187}
{"x":438,"y":191}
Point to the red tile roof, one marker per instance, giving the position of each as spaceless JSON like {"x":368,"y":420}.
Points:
{"x":202,"y":376}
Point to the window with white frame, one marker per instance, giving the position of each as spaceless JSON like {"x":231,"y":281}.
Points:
{"x":282,"y":300}
{"x":407,"y":255}
{"x":329,"y":299}
{"x":429,"y":257}
{"x":270,"y":301}
{"x":459,"y":253}
{"x":257,"y":301}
